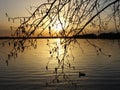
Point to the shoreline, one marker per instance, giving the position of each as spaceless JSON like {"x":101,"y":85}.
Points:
{"x":110,"y":35}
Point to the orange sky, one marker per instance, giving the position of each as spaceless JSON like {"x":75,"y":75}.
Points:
{"x":14,"y":8}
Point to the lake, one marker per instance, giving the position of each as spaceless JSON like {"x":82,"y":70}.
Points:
{"x":28,"y":70}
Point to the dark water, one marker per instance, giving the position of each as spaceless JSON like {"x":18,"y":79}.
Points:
{"x":27,"y":72}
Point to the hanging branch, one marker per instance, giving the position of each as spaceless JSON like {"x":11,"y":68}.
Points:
{"x":73,"y":17}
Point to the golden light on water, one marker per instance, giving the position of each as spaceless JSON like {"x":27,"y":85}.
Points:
{"x":60,"y":48}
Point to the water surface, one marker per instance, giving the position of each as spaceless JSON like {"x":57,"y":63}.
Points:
{"x":27,"y":72}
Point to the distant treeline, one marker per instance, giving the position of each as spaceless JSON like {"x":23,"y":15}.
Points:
{"x":110,"y":35}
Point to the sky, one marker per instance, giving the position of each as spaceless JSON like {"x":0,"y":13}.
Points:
{"x":14,"y":8}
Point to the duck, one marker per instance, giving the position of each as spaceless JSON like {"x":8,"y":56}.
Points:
{"x":81,"y":74}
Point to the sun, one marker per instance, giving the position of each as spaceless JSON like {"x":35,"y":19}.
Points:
{"x":58,"y":26}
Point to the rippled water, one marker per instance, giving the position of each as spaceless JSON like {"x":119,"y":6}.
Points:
{"x":27,"y":72}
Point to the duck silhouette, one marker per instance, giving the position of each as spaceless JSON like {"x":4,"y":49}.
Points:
{"x":81,"y":74}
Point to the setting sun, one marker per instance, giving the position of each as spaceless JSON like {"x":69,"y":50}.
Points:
{"x":59,"y":25}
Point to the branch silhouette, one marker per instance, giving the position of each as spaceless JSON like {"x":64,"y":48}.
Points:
{"x":72,"y":17}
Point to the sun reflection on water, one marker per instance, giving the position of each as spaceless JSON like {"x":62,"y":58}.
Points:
{"x":29,"y":67}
